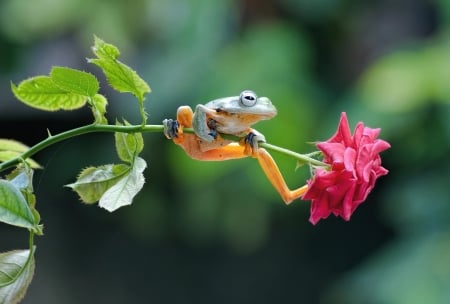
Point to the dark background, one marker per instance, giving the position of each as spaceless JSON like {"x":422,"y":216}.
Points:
{"x":218,"y":232}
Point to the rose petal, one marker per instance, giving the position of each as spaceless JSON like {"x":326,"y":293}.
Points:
{"x":355,"y":166}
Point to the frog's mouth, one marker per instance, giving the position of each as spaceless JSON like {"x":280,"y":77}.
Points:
{"x":255,"y":113}
{"x":235,"y":123}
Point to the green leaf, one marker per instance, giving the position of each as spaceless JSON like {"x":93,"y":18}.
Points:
{"x":75,"y":81}
{"x":7,"y":155}
{"x":16,"y":273}
{"x":299,"y":164}
{"x":93,"y":182}
{"x":12,"y":145}
{"x":128,"y":145}
{"x":19,"y":179}
{"x":99,"y":103}
{"x":22,"y":179}
{"x":105,"y":50}
{"x":123,"y":192}
{"x":120,"y":76}
{"x":42,"y":93}
{"x":14,"y":209}
{"x":10,"y":149}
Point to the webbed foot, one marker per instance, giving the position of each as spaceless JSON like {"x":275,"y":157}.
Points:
{"x":170,"y":128}
{"x":251,"y":141}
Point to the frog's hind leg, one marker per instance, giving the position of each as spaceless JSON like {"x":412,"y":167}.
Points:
{"x":184,"y":116}
{"x":173,"y":129}
{"x":269,"y":166}
{"x":275,"y":177}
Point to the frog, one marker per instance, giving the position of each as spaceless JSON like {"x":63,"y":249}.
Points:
{"x":234,"y":116}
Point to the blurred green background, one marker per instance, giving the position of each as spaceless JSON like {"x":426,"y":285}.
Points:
{"x":218,"y":232}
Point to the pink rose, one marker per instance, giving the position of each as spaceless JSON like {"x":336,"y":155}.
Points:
{"x":355,"y":166}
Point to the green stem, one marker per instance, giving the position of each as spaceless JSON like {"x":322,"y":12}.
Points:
{"x":31,"y":242}
{"x":53,"y":139}
{"x":301,"y":157}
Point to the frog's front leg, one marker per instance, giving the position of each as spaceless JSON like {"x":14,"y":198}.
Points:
{"x":202,"y":124}
{"x":250,"y":142}
{"x":195,"y":147}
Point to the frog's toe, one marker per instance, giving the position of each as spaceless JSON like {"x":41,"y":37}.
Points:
{"x":212,"y":134}
{"x":170,"y":128}
{"x":208,"y":135}
{"x":252,"y":139}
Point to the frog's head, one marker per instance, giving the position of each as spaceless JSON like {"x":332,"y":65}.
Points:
{"x":247,"y":103}
{"x":231,"y":115}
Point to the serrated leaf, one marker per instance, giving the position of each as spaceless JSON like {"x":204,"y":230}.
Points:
{"x":93,"y":182}
{"x":120,"y":76}
{"x":75,"y":81}
{"x":105,"y":50}
{"x":22,"y":179}
{"x":128,"y":145}
{"x":10,"y":149}
{"x":123,"y":192}
{"x":16,"y":273}
{"x":42,"y":93}
{"x":14,"y":209}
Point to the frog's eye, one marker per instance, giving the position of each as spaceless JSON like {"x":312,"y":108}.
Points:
{"x":248,"y":98}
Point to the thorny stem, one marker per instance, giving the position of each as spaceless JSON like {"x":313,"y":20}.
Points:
{"x":92,"y":128}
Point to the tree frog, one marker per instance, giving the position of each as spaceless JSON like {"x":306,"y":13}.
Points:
{"x":230,"y":115}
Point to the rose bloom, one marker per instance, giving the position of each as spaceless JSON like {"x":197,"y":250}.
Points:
{"x":355,"y":164}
